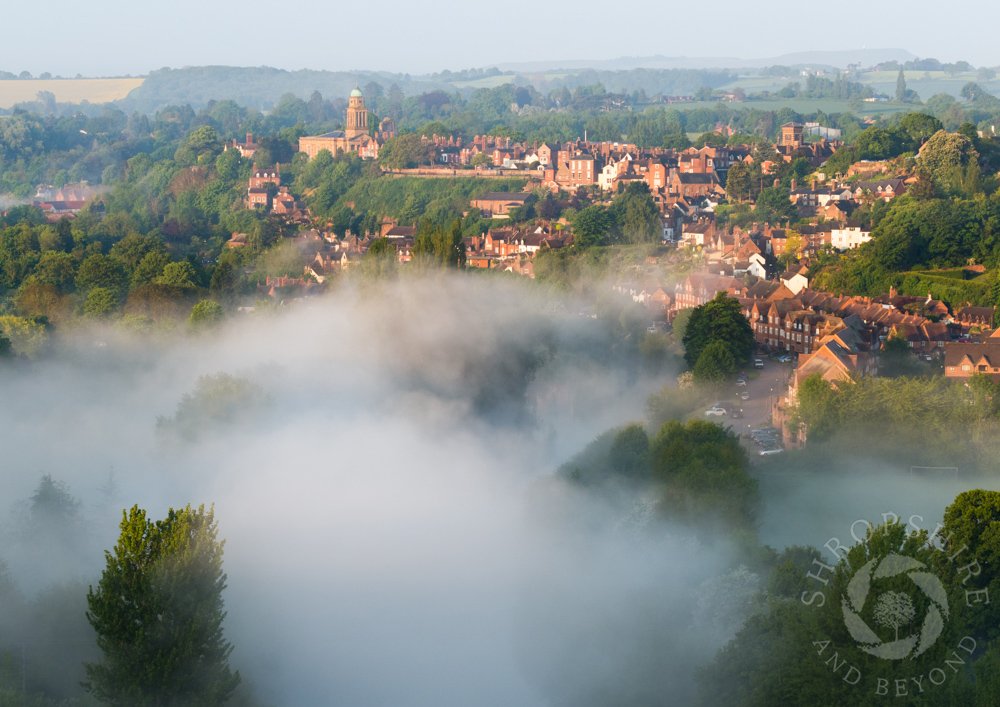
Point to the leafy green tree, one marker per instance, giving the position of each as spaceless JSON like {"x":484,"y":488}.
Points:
{"x":637,"y":216}
{"x":57,"y":269}
{"x":951,"y":160}
{"x":900,"y":87}
{"x":226,"y":276}
{"x":742,"y":181}
{"x":592,"y":226}
{"x":178,"y":274}
{"x":718,"y":320}
{"x":201,"y":145}
{"x":101,"y":302}
{"x":404,"y":151}
{"x":629,"y":453}
{"x":715,"y":364}
{"x":919,"y":127}
{"x":703,"y":470}
{"x":133,"y":248}
{"x":206,"y":314}
{"x":381,"y":260}
{"x":149,"y":268}
{"x":102,"y":271}
{"x":774,"y":206}
{"x":158,"y":614}
{"x":897,"y":359}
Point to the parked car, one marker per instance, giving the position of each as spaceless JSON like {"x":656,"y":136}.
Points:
{"x":741,"y":382}
{"x":744,"y":395}
{"x":758,"y":363}
{"x":767,"y":451}
{"x":783,"y":358}
{"x":716,"y":411}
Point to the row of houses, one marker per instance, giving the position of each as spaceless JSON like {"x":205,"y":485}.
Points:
{"x":786,"y":315}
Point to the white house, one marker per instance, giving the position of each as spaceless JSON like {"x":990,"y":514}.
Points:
{"x":849,"y":238}
{"x":795,"y":280}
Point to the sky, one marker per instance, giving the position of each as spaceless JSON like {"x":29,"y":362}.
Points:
{"x":119,"y":37}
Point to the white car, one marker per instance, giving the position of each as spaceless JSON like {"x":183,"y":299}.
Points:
{"x":716,"y":411}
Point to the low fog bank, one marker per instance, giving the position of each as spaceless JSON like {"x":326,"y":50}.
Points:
{"x":381,"y":462}
{"x":804,"y":506}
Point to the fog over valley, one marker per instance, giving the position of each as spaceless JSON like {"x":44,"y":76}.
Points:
{"x":382,"y":461}
{"x":381,"y":464}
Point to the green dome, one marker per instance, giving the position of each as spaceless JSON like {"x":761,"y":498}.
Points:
{"x":356,"y":93}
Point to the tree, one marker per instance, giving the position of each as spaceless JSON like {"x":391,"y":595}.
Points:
{"x":897,"y":358}
{"x":101,"y":302}
{"x":919,"y":127}
{"x":948,"y":158}
{"x":629,"y":453}
{"x":101,"y":271}
{"x":741,"y":181}
{"x":158,"y":614}
{"x":715,"y":364}
{"x":637,"y":216}
{"x":719,"y":319}
{"x":774,"y":206}
{"x":205,"y":314}
{"x":178,"y":274}
{"x":593,"y":226}
{"x":900,"y":87}
{"x":703,"y":471}
{"x":404,"y":151}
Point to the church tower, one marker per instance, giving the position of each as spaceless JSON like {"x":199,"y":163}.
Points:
{"x":357,"y":115}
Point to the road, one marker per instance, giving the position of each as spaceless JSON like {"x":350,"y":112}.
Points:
{"x":764,"y":385}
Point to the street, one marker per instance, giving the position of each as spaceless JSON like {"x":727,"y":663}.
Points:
{"x":764,"y":385}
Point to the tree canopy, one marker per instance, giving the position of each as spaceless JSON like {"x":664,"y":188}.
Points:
{"x":158,"y":614}
{"x":720,"y":321}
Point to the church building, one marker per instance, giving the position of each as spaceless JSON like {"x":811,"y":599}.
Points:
{"x":354,"y":138}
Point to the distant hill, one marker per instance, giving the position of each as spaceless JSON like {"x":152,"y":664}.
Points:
{"x":839,"y":59}
{"x":262,"y":87}
{"x":257,"y":87}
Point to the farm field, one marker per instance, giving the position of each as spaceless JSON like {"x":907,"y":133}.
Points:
{"x":67,"y":90}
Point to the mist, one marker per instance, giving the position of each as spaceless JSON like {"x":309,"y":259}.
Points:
{"x":395,"y":532}
{"x":382,"y":463}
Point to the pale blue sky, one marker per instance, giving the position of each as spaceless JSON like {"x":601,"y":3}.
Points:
{"x":110,"y":37}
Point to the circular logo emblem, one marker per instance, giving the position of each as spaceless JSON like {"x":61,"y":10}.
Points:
{"x":895,"y":610}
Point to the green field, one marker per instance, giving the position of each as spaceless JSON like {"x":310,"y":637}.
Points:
{"x":927,"y":83}
{"x":67,"y":90}
{"x":806,"y":106}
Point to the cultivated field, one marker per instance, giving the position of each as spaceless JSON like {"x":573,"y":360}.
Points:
{"x":67,"y":90}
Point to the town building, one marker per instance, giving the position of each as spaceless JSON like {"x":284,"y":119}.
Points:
{"x":354,"y":138}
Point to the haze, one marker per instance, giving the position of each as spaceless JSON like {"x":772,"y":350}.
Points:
{"x":118,"y":37}
{"x":394,"y":531}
